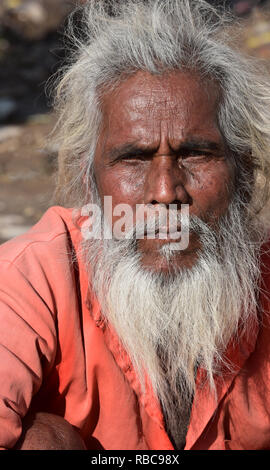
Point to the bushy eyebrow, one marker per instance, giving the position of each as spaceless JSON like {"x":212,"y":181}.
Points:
{"x":128,"y":150}
{"x":199,"y":144}
{"x":134,"y":149}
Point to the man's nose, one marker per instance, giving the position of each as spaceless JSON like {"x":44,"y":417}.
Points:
{"x":165,"y":182}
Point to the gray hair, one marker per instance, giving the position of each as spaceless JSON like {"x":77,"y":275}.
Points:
{"x":122,"y":37}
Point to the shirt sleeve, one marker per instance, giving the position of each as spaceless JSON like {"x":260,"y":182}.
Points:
{"x":27,"y":347}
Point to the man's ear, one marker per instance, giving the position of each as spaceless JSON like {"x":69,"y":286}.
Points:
{"x":83,"y":169}
{"x":245,"y":175}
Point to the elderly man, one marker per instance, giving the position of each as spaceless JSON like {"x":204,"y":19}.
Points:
{"x":138,"y":341}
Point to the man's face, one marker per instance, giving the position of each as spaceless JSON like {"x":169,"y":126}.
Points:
{"x":160,"y":144}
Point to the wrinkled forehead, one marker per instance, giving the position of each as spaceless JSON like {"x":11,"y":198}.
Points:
{"x":176,"y":100}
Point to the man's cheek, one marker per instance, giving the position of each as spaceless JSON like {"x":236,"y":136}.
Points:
{"x":125,"y":188}
{"x":212,"y":187}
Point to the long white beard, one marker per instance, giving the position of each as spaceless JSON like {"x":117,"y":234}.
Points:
{"x":170,"y":324}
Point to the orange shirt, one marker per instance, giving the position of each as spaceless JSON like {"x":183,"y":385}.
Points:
{"x":57,"y":355}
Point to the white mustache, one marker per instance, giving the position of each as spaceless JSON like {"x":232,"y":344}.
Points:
{"x":166,"y":223}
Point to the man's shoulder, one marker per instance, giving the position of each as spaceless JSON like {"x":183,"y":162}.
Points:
{"x":44,"y":254}
{"x":41,"y":262}
{"x":54,"y":230}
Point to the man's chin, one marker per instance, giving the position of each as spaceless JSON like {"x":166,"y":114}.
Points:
{"x":163,"y":256}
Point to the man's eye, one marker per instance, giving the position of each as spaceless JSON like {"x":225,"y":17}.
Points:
{"x":133,"y":158}
{"x":198,"y":153}
{"x":195,"y":154}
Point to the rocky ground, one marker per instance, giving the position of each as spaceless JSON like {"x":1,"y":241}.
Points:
{"x":31,"y":50}
{"x":26,"y":174}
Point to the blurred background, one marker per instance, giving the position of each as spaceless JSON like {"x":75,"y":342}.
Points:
{"x":31,"y":51}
